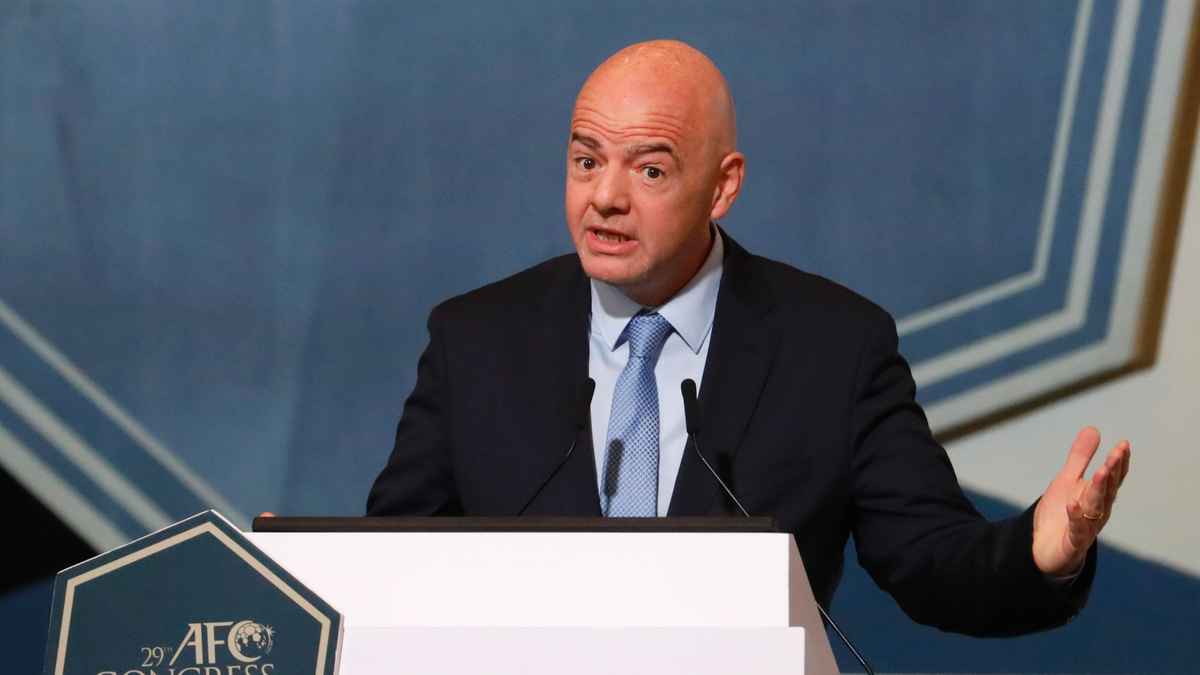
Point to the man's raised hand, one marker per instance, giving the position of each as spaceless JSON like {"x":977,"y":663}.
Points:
{"x":1074,"y":510}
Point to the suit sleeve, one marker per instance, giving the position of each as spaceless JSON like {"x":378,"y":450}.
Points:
{"x":419,"y":477}
{"x":918,"y":535}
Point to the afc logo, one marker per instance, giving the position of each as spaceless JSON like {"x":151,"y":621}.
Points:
{"x":247,"y":642}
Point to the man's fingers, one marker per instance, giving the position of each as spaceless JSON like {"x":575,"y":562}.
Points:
{"x":1125,"y":455}
{"x":1082,"y":451}
{"x":1095,"y":496}
{"x":1089,"y":510}
{"x":1117,"y":476}
{"x":1110,"y":494}
{"x":1116,"y":455}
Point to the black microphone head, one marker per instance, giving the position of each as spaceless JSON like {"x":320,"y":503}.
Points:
{"x":583,"y":407}
{"x":690,"y":413}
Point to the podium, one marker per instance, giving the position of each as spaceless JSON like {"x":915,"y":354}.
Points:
{"x":553,"y":595}
{"x":442,"y":596}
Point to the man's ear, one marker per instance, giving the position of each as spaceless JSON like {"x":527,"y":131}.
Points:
{"x":729,"y":184}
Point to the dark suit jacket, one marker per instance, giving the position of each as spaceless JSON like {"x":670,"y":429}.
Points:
{"x":805,"y":403}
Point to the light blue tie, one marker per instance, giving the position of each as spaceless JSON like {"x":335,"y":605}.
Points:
{"x":631,"y":458}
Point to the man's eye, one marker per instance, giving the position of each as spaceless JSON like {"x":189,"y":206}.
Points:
{"x":587,"y":163}
{"x":653,"y":172}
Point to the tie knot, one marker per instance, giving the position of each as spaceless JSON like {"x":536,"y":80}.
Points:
{"x":647,"y":334}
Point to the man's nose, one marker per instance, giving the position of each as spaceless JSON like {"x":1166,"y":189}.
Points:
{"x":611,"y":196}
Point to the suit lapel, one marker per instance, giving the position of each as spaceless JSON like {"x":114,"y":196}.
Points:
{"x":739,"y":359}
{"x":561,"y":343}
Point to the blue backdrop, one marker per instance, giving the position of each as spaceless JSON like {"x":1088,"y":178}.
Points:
{"x":222,"y":224}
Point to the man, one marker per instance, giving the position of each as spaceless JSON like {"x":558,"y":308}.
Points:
{"x":804,"y":401}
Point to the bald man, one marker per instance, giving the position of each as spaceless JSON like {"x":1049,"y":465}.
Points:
{"x":805,"y":403}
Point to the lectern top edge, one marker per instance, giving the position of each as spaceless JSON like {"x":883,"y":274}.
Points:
{"x":513,"y":524}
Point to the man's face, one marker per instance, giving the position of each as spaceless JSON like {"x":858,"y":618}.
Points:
{"x":640,"y":189}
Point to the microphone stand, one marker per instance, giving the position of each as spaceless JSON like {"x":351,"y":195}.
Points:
{"x":692,"y":418}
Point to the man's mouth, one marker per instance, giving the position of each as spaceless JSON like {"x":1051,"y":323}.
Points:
{"x":610,"y":237}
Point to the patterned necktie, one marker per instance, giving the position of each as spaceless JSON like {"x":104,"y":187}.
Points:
{"x":631,"y":458}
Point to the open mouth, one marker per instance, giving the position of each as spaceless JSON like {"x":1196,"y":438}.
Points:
{"x":610,"y":237}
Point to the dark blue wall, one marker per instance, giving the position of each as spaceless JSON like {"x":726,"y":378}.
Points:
{"x":234,"y":217}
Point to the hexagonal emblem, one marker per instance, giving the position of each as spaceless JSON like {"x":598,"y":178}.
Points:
{"x":196,"y":598}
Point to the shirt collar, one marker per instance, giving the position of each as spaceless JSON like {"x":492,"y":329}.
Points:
{"x":690,"y":312}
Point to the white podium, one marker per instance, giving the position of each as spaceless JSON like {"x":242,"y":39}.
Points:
{"x":603,"y":602}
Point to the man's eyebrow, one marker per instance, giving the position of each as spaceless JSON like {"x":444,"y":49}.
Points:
{"x":586,"y":140}
{"x":650,"y":148}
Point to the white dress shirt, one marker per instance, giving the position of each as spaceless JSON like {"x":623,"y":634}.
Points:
{"x":683,"y":355}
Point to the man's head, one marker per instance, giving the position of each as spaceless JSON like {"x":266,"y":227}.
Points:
{"x":651,"y":160}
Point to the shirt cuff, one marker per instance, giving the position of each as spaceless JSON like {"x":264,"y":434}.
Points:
{"x":1063,"y":583}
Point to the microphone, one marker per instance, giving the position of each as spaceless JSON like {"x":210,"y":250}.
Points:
{"x":580,"y":416}
{"x":691,"y":418}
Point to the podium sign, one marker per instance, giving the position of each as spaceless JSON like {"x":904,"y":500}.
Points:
{"x":196,"y":598}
